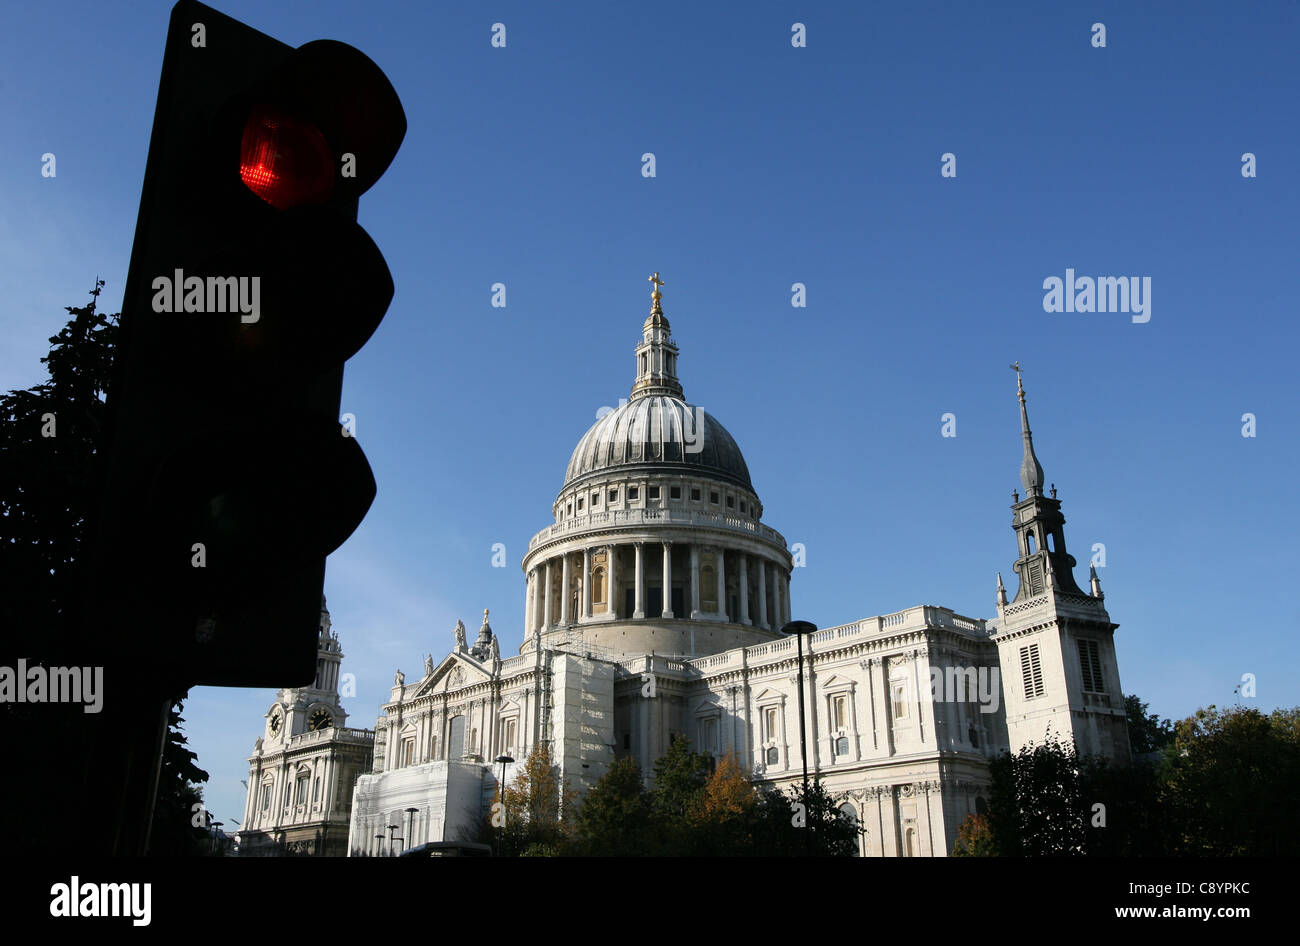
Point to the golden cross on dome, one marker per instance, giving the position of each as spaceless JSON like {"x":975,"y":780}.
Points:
{"x":655,"y":294}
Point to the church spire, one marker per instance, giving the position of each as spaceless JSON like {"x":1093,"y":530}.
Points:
{"x":1043,"y":564}
{"x":1031,"y":472}
{"x":656,"y":356}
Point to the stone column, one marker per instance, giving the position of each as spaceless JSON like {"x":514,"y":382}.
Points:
{"x":640,"y":582}
{"x":720,"y":559}
{"x":785,"y":596}
{"x":613,"y":596}
{"x":528,"y":604}
{"x":695,"y":581}
{"x":537,"y":600}
{"x":668,"y":580}
{"x":565,"y":616}
{"x":546,"y":626}
{"x":762,"y":592}
{"x":586,"y":584}
{"x":744,"y":590}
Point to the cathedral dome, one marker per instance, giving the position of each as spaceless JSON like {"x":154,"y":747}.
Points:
{"x":662,"y":432}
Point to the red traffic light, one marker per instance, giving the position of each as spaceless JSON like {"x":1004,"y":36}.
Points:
{"x":285,"y":161}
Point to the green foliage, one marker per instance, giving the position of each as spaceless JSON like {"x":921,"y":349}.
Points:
{"x":1146,"y":733}
{"x":680,"y":777}
{"x":49,"y":487}
{"x":1226,"y":784}
{"x":1231,"y":783}
{"x":50,"y":480}
{"x":617,"y":817}
{"x":174,"y":833}
{"x":1036,"y":803}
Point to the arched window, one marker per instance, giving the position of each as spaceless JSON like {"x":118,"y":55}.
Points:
{"x":1051,"y":542}
{"x":910,"y":849}
{"x":598,"y":585}
{"x":1029,"y":541}
{"x":850,"y":814}
{"x":643,"y":363}
{"x":708,"y":588}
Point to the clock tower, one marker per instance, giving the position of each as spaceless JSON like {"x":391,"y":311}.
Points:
{"x":305,"y":764}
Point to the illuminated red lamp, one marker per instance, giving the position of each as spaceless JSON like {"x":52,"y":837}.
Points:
{"x":285,"y":161}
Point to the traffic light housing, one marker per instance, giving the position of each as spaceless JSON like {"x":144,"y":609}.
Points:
{"x":228,"y":475}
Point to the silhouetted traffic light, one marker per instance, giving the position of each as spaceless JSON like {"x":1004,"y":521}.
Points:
{"x":229,"y":476}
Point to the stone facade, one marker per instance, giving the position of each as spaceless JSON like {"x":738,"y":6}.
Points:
{"x":305,"y":765}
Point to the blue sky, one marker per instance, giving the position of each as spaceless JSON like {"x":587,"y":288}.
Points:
{"x":775,"y":165}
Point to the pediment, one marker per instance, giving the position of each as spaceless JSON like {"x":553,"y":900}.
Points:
{"x":838,"y":681}
{"x":455,"y":671}
{"x":769,"y":694}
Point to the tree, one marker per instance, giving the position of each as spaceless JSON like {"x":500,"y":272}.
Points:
{"x":722,"y":814}
{"x":797,"y":824}
{"x":180,"y":798}
{"x":617,"y":817}
{"x":974,"y":838}
{"x":680,"y":777}
{"x":530,"y":818}
{"x":49,"y":489}
{"x":1231,"y":783}
{"x":1036,"y":804}
{"x":1146,"y":733}
{"x":50,"y":484}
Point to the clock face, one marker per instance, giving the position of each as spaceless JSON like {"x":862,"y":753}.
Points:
{"x":275,"y":724}
{"x":321,"y":719}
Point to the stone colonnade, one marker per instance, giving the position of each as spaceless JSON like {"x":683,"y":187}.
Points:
{"x":619,"y":581}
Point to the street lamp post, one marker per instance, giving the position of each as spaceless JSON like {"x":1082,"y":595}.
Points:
{"x":391,"y":829}
{"x":501,"y":794}
{"x":410,"y":823}
{"x":380,"y":845}
{"x":799,"y":629}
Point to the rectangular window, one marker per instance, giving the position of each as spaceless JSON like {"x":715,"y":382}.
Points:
{"x":633,"y":492}
{"x":1090,"y":663}
{"x":408,"y":750}
{"x":771,"y":724}
{"x":652,"y":492}
{"x":579,"y":503}
{"x":742,"y":505}
{"x":508,"y":735}
{"x":839,"y":712}
{"x":695,"y":493}
{"x":675,"y":492}
{"x":613,"y":495}
{"x":731,"y":502}
{"x":709,"y":736}
{"x":266,"y":797}
{"x":900,"y":701}
{"x":1032,"y":671}
{"x":595,"y":499}
{"x":713,"y":497}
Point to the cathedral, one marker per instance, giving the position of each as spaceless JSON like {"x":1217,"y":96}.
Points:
{"x":654,"y":606}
